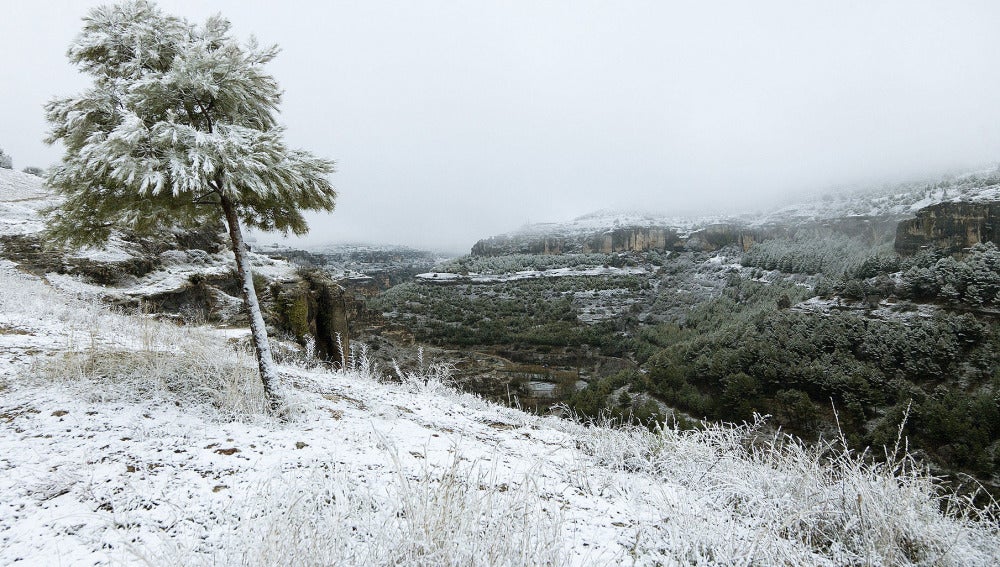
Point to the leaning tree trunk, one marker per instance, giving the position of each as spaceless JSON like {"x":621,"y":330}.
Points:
{"x":262,"y":348}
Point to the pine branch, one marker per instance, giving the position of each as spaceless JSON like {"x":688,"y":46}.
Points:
{"x":201,"y":200}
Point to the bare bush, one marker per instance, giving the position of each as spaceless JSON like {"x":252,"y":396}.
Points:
{"x":792,"y":503}
{"x":197,"y":373}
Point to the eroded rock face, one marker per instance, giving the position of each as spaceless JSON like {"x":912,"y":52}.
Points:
{"x":314,"y":306}
{"x":623,"y":239}
{"x":716,"y":236}
{"x":949,"y":226}
{"x":30,"y":254}
{"x":633,"y":240}
{"x":628,"y":239}
{"x":28,"y":251}
{"x":556,"y":239}
{"x":873,"y":230}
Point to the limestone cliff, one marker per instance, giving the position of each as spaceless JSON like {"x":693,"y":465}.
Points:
{"x":623,"y":239}
{"x":950,"y":226}
{"x":314,"y":306}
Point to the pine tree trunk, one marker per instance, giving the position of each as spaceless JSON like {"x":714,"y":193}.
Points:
{"x":262,"y":348}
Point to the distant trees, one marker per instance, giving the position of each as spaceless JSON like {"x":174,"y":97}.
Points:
{"x":970,"y":280}
{"x":178,"y":129}
{"x":510,"y":263}
{"x":824,"y":252}
{"x":7,"y":162}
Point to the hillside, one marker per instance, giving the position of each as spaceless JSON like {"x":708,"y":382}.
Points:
{"x":129,"y":270}
{"x":185,"y":275}
{"x":367,"y":268}
{"x":128,"y":440}
{"x":873,"y":210}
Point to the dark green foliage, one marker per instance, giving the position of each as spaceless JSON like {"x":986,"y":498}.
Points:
{"x":723,"y":347}
{"x":740,"y":397}
{"x":877,"y":264}
{"x":784,"y":302}
{"x":533,"y":312}
{"x":792,"y":365}
{"x":794,"y":409}
{"x":970,"y":281}
{"x":959,"y":427}
{"x":598,"y":400}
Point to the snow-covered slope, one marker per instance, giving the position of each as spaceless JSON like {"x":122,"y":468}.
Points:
{"x":896,"y":200}
{"x":899,"y":200}
{"x":23,"y":196}
{"x":126,"y":440}
{"x":18,"y":186}
{"x":609,"y":219}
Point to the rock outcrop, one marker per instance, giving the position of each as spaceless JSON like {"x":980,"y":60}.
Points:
{"x":314,"y":306}
{"x":632,"y":239}
{"x":28,"y":251}
{"x":951,"y":226}
{"x":623,"y":239}
{"x":872,"y":229}
{"x":588,"y":235}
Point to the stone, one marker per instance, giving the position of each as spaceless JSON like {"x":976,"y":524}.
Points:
{"x":951,"y":227}
{"x":315,"y":306}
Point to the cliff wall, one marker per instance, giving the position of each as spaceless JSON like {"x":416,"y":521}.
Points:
{"x":949,"y":226}
{"x":554,"y":239}
{"x":624,"y":239}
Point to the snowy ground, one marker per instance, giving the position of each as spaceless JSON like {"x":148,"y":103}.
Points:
{"x":21,"y":197}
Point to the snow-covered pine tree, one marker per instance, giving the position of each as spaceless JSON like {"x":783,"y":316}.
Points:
{"x":178,"y":129}
{"x":5,"y":160}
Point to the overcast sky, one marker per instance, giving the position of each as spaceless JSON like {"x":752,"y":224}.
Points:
{"x":452,"y":121}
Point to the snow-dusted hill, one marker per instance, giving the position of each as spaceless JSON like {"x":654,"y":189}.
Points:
{"x":900,"y":200}
{"x":23,"y":196}
{"x":380,"y":265}
{"x":607,"y":219}
{"x":125,"y":440}
{"x":892,"y":201}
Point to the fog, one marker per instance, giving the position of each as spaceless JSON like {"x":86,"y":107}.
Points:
{"x":452,"y":121}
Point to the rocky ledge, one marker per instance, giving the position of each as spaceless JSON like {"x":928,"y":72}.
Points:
{"x":951,"y":226}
